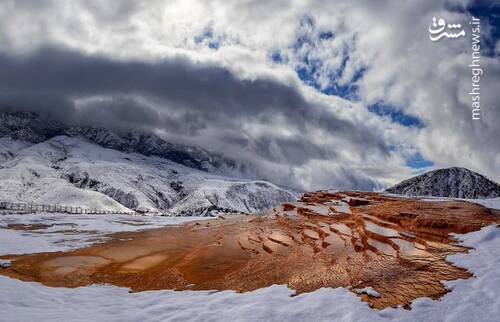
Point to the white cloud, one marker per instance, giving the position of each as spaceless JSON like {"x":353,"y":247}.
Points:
{"x":388,"y":38}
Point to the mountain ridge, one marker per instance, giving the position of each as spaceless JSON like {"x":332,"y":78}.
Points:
{"x":44,"y":161}
{"x":30,"y":127}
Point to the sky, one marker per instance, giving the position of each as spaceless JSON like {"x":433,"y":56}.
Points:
{"x":311,"y":94}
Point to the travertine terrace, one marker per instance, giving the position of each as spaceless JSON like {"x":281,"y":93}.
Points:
{"x":396,"y":246}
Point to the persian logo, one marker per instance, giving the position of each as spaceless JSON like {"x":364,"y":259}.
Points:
{"x":438,"y":29}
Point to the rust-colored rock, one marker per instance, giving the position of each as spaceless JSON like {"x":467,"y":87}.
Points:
{"x":355,"y":202}
{"x":397,"y":246}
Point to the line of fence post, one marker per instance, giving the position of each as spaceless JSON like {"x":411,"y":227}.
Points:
{"x":54,"y":208}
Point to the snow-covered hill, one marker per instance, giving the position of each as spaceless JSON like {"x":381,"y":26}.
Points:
{"x":452,"y":182}
{"x":95,"y":168}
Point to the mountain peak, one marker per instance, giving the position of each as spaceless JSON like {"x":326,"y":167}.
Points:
{"x":453,"y":182}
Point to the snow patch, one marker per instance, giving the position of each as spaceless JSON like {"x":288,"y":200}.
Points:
{"x":368,"y":290}
{"x":4,"y":263}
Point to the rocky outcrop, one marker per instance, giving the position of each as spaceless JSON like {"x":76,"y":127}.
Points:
{"x":85,"y":182}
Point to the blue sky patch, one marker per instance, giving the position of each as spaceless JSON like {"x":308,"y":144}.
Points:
{"x":489,"y":13}
{"x":208,"y":38}
{"x":396,"y":115}
{"x":277,"y":58}
{"x":418,"y":162}
{"x":309,"y":68}
{"x":326,"y":35}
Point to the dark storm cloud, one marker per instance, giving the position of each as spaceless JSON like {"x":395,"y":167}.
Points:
{"x":188,"y":86}
{"x":299,"y":149}
{"x":176,"y":96}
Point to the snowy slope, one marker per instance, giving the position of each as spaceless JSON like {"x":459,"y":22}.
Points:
{"x":451,"y":182}
{"x":72,"y":171}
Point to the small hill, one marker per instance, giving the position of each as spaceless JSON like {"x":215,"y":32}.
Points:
{"x":452,"y":182}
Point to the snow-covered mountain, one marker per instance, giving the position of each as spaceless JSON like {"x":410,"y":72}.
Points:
{"x":452,"y":182}
{"x":47,"y":162}
{"x":29,"y":127}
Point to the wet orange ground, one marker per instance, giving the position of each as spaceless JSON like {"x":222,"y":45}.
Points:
{"x":396,"y":246}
